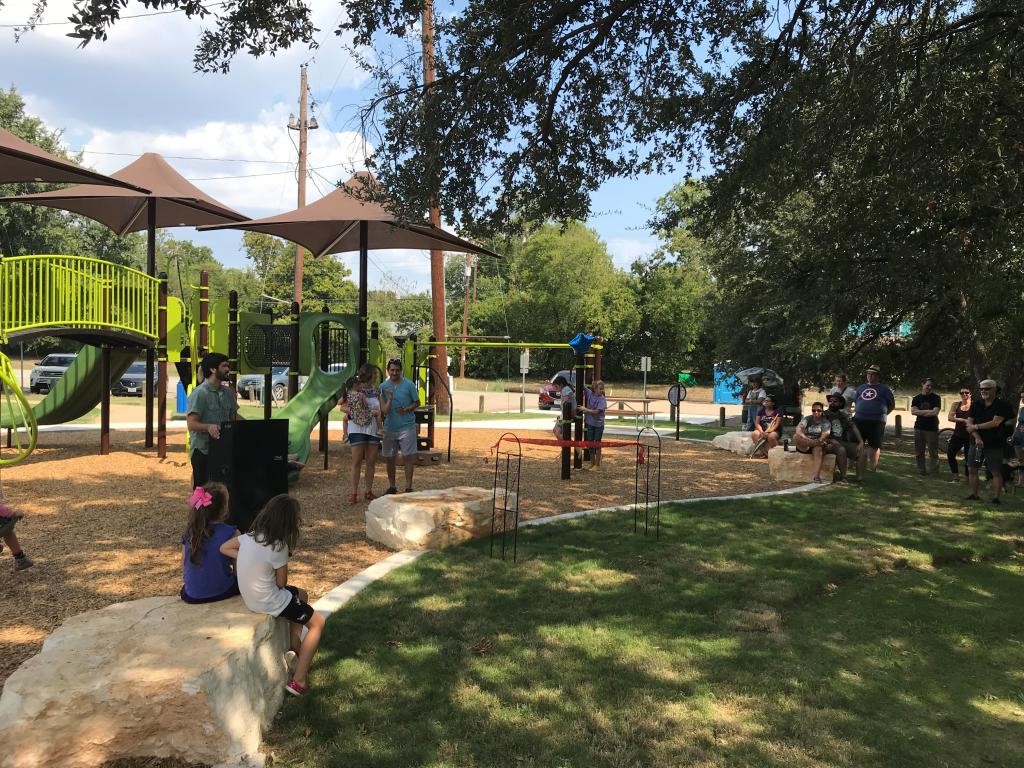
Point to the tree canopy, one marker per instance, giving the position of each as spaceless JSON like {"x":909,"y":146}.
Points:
{"x":324,"y":280}
{"x":865,"y":156}
{"x":537,"y":104}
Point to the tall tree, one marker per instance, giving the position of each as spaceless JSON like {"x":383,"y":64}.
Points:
{"x":324,"y":280}
{"x":675,"y":293}
{"x":550,"y":286}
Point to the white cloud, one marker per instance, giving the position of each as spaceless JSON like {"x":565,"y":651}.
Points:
{"x":264,"y":183}
{"x":626,"y":250}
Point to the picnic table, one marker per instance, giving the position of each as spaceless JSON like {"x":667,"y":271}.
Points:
{"x":637,"y":407}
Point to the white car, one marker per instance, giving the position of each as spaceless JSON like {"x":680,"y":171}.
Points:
{"x":49,"y":371}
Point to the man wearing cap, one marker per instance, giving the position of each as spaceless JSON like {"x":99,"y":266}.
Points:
{"x":985,"y":431}
{"x":926,"y":407}
{"x":845,"y":441}
{"x":874,"y":401}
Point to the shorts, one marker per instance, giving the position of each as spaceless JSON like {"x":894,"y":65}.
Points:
{"x":871,"y":431}
{"x":297,"y":612}
{"x":976,"y":456}
{"x":361,"y":438}
{"x":1017,"y":441}
{"x":595,"y":433}
{"x":404,"y":442}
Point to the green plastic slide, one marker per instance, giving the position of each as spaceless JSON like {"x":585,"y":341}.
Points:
{"x":78,"y":391}
{"x":303,"y":411}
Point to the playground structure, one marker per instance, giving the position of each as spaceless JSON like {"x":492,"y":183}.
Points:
{"x":118,"y":312}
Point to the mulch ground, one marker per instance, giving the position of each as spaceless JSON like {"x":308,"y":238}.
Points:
{"x":106,"y":529}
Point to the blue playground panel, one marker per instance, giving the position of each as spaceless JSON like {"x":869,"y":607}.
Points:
{"x":727,"y":388}
{"x":181,"y":401}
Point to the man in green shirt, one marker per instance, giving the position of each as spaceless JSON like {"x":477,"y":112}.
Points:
{"x":209,"y":405}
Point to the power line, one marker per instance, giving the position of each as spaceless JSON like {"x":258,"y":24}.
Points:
{"x":187,"y":157}
{"x":30,"y":24}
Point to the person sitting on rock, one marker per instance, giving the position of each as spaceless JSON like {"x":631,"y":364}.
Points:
{"x":812,"y":436}
{"x":845,"y":440}
{"x":767,"y":427}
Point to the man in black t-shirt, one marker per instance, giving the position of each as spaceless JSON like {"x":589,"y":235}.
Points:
{"x":926,"y":407}
{"x":985,"y":429}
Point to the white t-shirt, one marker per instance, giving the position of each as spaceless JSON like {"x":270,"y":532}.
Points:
{"x":256,"y":578}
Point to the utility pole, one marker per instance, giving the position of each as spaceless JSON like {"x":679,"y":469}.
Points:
{"x":465,"y":317}
{"x":303,"y":126}
{"x":439,"y":363}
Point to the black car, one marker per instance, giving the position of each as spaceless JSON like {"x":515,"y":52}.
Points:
{"x":133,"y":381}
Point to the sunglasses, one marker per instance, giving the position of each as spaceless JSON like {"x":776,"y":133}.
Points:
{"x":965,"y":391}
{"x":395,"y":361}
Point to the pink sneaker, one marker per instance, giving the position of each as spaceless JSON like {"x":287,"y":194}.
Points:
{"x":295,"y":689}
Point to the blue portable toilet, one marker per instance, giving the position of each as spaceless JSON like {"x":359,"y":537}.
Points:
{"x":727,"y":388}
{"x":181,"y":399}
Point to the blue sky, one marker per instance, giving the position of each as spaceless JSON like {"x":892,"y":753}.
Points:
{"x":137,"y":92}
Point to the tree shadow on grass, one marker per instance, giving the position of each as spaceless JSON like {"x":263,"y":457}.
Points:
{"x":720,"y":644}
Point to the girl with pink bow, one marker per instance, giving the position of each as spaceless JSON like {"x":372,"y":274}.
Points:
{"x":209,"y":575}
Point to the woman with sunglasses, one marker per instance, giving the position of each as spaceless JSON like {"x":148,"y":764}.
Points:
{"x":958,"y":443}
{"x":812,"y":436}
{"x":767,"y":428}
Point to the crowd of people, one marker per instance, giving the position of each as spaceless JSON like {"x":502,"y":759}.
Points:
{"x":986,"y":431}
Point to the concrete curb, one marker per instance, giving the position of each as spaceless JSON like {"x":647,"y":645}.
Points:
{"x":337,"y":598}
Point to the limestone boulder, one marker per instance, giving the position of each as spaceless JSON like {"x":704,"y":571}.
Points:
{"x":432,"y":519}
{"x":148,"y":678}
{"x":737,"y":442}
{"x":793,"y":467}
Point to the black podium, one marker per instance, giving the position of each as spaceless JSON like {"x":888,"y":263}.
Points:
{"x":251,"y":459}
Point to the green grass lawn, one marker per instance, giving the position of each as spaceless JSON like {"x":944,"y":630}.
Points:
{"x":857,"y":626}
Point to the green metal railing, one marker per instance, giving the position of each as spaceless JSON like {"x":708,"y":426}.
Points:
{"x":15,"y":412}
{"x":39,"y":292}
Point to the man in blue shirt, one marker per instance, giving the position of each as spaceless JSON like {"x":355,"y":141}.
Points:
{"x":399,"y":400}
{"x":874,"y":401}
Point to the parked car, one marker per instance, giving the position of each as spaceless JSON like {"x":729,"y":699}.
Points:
{"x":551,"y":394}
{"x":49,"y":371}
{"x":250,"y":386}
{"x":133,"y":380}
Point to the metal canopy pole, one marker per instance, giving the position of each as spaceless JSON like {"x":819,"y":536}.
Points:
{"x":364,"y":259}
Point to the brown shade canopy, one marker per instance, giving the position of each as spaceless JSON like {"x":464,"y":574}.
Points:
{"x":21,"y":162}
{"x":331,"y":225}
{"x":178,"y":203}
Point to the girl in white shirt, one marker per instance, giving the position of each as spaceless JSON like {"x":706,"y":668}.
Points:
{"x":262,"y":569}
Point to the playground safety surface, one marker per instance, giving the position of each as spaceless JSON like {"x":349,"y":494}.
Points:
{"x":106,"y":529}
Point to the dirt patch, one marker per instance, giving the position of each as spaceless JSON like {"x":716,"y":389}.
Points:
{"x":106,"y":529}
